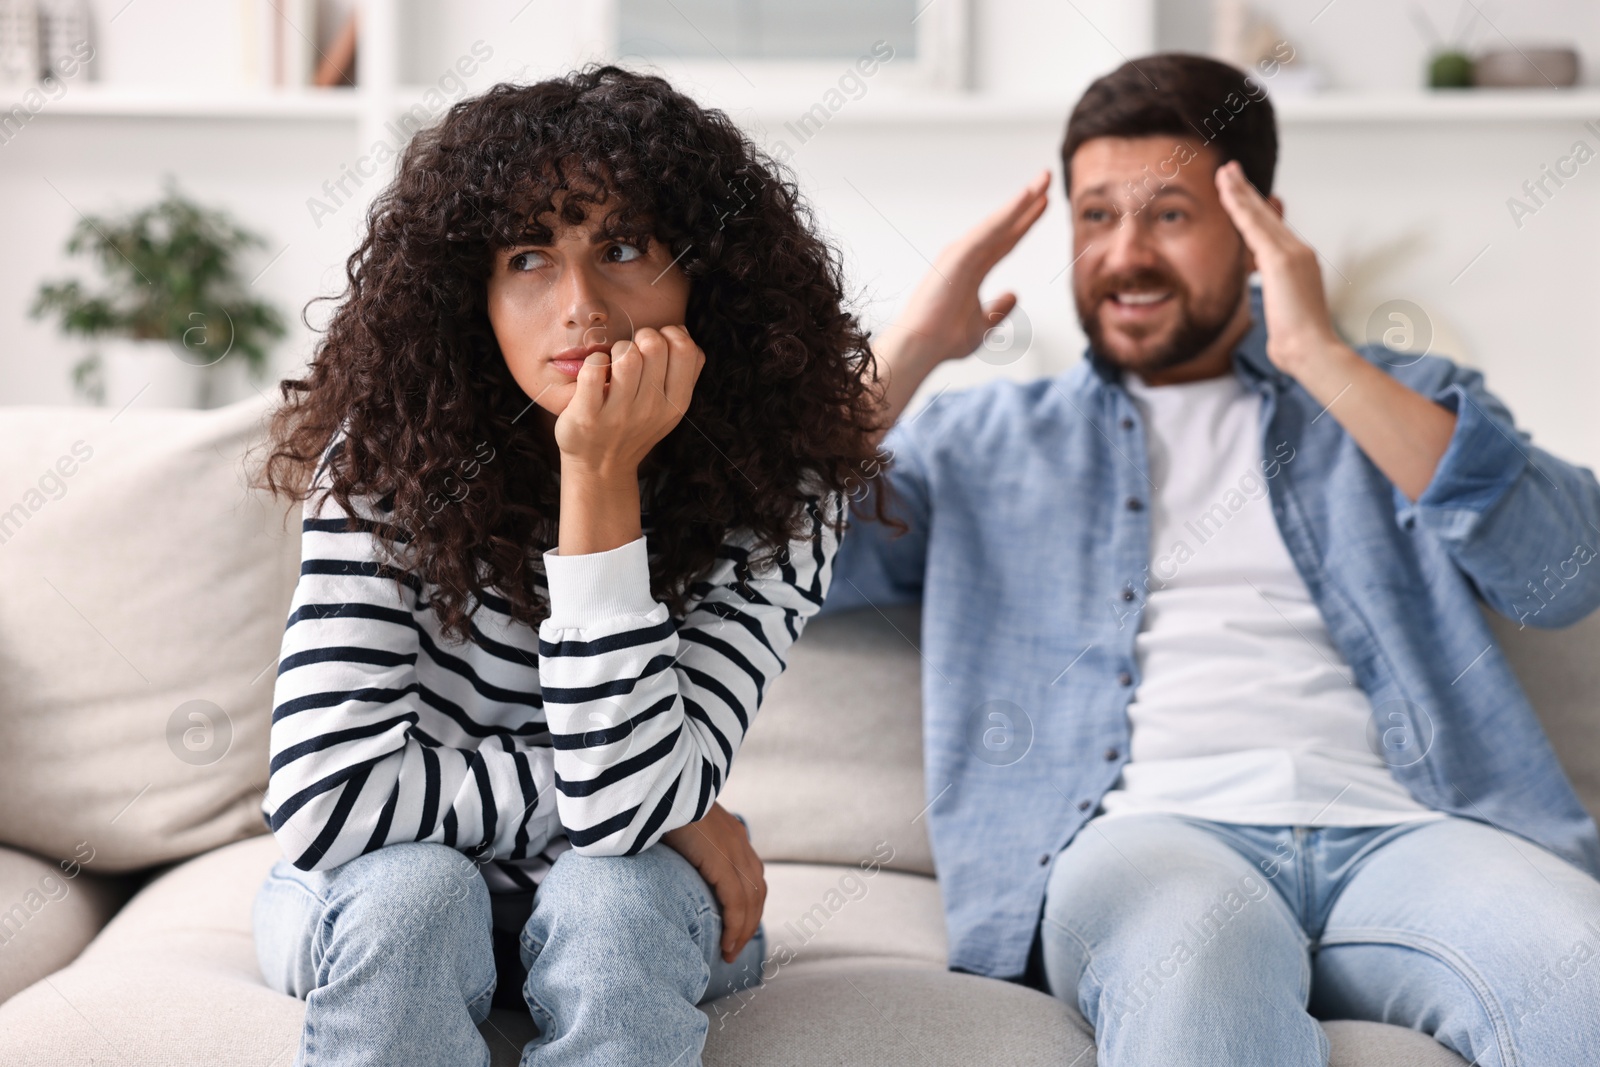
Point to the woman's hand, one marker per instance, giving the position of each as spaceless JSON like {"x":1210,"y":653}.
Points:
{"x":625,"y":403}
{"x":615,"y":419}
{"x":719,"y":847}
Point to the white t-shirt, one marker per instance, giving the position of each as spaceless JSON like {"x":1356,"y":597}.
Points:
{"x":1245,"y":711}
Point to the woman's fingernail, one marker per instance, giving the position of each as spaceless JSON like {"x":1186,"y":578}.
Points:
{"x":597,"y":359}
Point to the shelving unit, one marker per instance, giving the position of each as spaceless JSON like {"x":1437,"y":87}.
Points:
{"x":381,"y":96}
{"x":370,"y":105}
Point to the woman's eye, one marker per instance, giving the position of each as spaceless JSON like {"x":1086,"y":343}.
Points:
{"x":1172,"y":216}
{"x":527,"y":261}
{"x":622,"y":253}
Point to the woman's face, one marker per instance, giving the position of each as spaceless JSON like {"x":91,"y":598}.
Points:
{"x":551,"y":305}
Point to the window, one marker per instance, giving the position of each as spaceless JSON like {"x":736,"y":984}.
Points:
{"x":765,"y":29}
{"x":769,"y":48}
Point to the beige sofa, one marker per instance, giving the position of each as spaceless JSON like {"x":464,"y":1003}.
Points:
{"x":143,"y":591}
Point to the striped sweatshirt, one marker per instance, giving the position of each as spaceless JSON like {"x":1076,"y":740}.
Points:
{"x":612,"y":724}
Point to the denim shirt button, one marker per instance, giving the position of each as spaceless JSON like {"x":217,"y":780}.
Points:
{"x":1127,"y":592}
{"x":1126,"y":423}
{"x":1135,"y":504}
{"x":1124,"y":678}
{"x":1111,"y":755}
{"x":1083,"y":805}
{"x":1044,"y":859}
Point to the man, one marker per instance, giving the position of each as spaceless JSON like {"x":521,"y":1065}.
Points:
{"x":1218,"y":741}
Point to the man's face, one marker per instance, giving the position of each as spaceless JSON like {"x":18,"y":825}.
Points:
{"x":551,"y":305}
{"x":1160,"y":270}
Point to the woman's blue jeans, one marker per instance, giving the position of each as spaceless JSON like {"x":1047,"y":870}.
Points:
{"x":393,"y":953}
{"x":1207,"y":944}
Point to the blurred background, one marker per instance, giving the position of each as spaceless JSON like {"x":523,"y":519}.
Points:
{"x":163,"y":156}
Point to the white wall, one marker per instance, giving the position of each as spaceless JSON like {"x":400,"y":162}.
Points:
{"x":892,"y":185}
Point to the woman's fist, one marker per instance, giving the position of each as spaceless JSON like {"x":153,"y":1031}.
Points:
{"x":628,"y":401}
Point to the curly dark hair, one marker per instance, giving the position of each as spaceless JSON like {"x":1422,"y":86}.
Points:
{"x":409,"y":369}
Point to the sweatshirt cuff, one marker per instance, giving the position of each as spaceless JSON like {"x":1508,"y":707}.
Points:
{"x":595,"y":586}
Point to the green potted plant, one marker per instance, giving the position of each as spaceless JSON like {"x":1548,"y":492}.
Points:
{"x":1449,"y":65}
{"x":173,"y":305}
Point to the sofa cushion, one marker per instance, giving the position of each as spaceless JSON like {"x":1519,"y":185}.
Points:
{"x":48,"y":912}
{"x":145,"y":596}
{"x":817,"y":912}
{"x":173,"y":981}
{"x":1360,"y":1044}
{"x":173,"y":978}
{"x":831,"y":769}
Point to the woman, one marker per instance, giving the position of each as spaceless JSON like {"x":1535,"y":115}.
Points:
{"x":574,"y":453}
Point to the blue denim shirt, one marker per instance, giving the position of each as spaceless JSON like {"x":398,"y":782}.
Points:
{"x":1029,"y":550}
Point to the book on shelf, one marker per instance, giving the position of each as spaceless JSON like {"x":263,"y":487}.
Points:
{"x":288,"y":44}
{"x":337,"y":65}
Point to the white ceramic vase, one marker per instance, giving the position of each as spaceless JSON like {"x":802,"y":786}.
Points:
{"x":150,"y":371}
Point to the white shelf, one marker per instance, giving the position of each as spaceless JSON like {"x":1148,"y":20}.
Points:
{"x":102,"y":101}
{"x":1444,"y":106}
{"x":345,"y":104}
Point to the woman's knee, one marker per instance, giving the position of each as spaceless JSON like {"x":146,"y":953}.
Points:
{"x":414,"y":874}
{"x":409,"y":897}
{"x":622,"y":895}
{"x":401,"y":906}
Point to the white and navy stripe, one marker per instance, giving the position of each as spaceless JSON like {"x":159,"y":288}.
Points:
{"x":612,"y":724}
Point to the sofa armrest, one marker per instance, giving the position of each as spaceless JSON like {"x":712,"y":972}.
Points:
{"x":48,"y":913}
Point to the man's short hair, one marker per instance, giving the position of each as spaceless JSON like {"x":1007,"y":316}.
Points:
{"x":1206,"y":101}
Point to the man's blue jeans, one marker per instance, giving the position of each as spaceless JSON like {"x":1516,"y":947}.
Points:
{"x":1184,"y":941}
{"x":392,"y":953}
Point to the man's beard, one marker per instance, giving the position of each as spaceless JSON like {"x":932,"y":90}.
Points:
{"x":1196,"y":332}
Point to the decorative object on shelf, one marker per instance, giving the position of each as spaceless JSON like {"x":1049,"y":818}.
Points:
{"x":174,"y":305}
{"x":1255,"y":44}
{"x":1527,"y":68}
{"x":19,"y":42}
{"x":1449,"y":64}
{"x":63,"y":35}
{"x":1450,"y":70}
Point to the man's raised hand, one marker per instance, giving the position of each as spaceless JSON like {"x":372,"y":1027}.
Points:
{"x":1299,"y":326}
{"x":945,"y":318}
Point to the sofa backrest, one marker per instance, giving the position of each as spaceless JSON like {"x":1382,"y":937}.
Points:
{"x":1560,"y":672}
{"x":831,"y":770}
{"x":143,"y":593}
